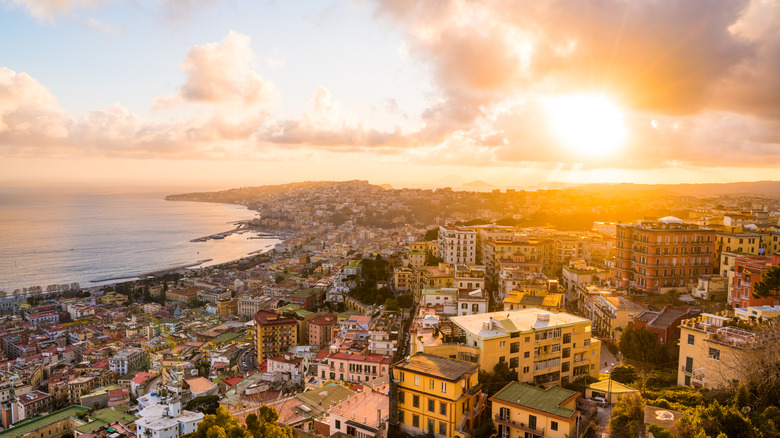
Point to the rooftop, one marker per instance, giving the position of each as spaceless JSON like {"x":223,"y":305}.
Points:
{"x":444,"y":368}
{"x":24,"y":427}
{"x":500,"y":324}
{"x":545,"y":400}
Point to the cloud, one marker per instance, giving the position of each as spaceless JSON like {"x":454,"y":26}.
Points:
{"x":103,"y":27}
{"x":48,"y":10}
{"x":222,"y":73}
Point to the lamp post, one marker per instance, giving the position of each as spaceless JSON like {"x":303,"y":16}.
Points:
{"x":609,"y":384}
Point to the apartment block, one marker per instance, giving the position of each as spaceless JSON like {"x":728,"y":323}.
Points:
{"x":274,"y":334}
{"x":544,"y":347}
{"x":457,"y":245}
{"x":522,"y":410}
{"x":747,"y":271}
{"x":659,"y":256}
{"x":436,"y":393}
{"x":354,"y":368}
{"x":126,"y":360}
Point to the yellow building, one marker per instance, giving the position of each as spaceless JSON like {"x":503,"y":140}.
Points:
{"x":274,"y":334}
{"x":227,"y":307}
{"x":522,"y":410}
{"x":441,"y":276}
{"x":402,"y":279}
{"x":715,"y":355}
{"x":613,"y":313}
{"x":430,"y":247}
{"x":544,"y":347}
{"x":416,"y":258}
{"x":435,"y":393}
{"x":522,"y":300}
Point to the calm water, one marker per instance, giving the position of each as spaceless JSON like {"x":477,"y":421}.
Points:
{"x":63,"y":238}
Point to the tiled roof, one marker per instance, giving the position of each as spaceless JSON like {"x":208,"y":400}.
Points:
{"x":545,"y":400}
{"x":448,"y":369}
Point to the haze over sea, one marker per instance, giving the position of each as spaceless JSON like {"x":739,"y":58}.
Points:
{"x":56,"y":238}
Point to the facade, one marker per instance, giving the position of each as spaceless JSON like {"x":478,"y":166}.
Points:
{"x":435,"y":393}
{"x":86,"y":384}
{"x":126,"y":360}
{"x":469,"y":277}
{"x":457,"y":245}
{"x":355,"y":368}
{"x":522,"y":410}
{"x":274,"y":334}
{"x":321,"y":330}
{"x":659,"y":256}
{"x":32,"y":404}
{"x":715,"y":355}
{"x":383,"y":334}
{"x":248,"y":306}
{"x":363,"y":415}
{"x":544,"y":347}
{"x":747,"y":271}
{"x":402,"y":279}
{"x":613,"y":313}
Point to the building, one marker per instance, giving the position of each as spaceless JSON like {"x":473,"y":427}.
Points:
{"x":402,"y":279}
{"x":521,"y":300}
{"x":248,"y":306}
{"x":665,"y":323}
{"x":383,"y":333}
{"x":522,"y":410}
{"x":356,"y":368}
{"x":436,"y":393}
{"x":469,"y":277}
{"x":167,"y":420}
{"x":54,"y":425}
{"x":31,"y":404}
{"x":364,"y":415}
{"x":747,"y":271}
{"x":457,"y":245}
{"x":472,"y":302}
{"x":287,"y":364}
{"x":613,"y":313}
{"x":79,"y":386}
{"x":716,"y":355}
{"x":274,"y":334}
{"x":127,"y":360}
{"x":545,"y":347}
{"x":656,"y":257}
{"x":321,"y":330}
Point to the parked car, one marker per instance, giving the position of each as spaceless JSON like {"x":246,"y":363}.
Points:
{"x":601,"y":401}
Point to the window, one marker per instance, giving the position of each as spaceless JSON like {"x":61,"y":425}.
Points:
{"x":554,"y":425}
{"x":714,"y":354}
{"x":351,"y":431}
{"x":514,"y":362}
{"x":691,"y":339}
{"x":401,"y":397}
{"x":442,"y":428}
{"x":502,"y":359}
{"x":504,"y":414}
{"x":431,"y":405}
{"x":532,"y":421}
{"x":430,"y":425}
{"x":442,"y":408}
{"x":566,"y":352}
{"x":416,"y":401}
{"x":338,"y":424}
{"x":566,"y":338}
{"x":415,"y":421}
{"x":400,"y":416}
{"x":565,"y":367}
{"x":526,"y":369}
{"x":514,"y":347}
{"x":444,"y":387}
{"x":586,"y":342}
{"x":527,"y":354}
{"x":502,"y":344}
{"x":416,"y":380}
{"x":430,"y":383}
{"x":401,"y":377}
{"x":527,"y":339}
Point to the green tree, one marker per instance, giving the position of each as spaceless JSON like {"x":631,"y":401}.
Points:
{"x":392,"y":304}
{"x":769,"y":285}
{"x":405,"y":301}
{"x":642,"y":346}
{"x":714,"y":419}
{"x":206,"y":404}
{"x":492,"y":382}
{"x":628,"y":417}
{"x":432,"y":234}
{"x":624,"y":374}
{"x":223,"y":425}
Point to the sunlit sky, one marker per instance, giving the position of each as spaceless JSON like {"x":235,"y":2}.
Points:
{"x":217,"y":94}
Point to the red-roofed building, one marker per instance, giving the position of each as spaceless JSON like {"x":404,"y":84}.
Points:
{"x":321,"y":330}
{"x":354,"y":367}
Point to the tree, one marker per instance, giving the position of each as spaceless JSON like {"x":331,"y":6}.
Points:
{"x":206,"y":404}
{"x":624,"y":374}
{"x":642,"y":346}
{"x":405,"y":301}
{"x":223,"y":425}
{"x":500,"y":377}
{"x":714,"y":419}
{"x":391,"y":304}
{"x":628,"y":417}
{"x":432,"y":234}
{"x":769,"y":285}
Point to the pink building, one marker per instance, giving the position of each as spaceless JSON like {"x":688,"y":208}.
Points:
{"x":354,"y":368}
{"x":321,"y":330}
{"x":748,"y":270}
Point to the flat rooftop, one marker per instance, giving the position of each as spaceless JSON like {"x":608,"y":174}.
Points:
{"x":523,"y":320}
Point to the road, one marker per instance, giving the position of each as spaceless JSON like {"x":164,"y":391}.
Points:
{"x":607,"y":359}
{"x":250,"y":359}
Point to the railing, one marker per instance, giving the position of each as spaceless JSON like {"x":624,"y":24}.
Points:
{"x":523,"y":426}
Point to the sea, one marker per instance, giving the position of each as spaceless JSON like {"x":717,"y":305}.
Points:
{"x":63,"y":237}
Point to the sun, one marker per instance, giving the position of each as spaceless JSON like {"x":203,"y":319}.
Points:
{"x":588,"y":124}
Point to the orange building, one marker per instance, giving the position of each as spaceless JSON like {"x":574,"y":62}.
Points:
{"x":747,"y":271}
{"x":662,"y":255}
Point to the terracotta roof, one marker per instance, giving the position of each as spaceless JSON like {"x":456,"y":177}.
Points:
{"x":444,"y":368}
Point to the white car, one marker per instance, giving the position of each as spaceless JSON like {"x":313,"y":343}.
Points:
{"x":601,"y":401}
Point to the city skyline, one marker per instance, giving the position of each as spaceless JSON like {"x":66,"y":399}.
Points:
{"x":213,"y":94}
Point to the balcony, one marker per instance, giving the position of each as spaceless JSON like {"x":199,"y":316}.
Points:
{"x":522,"y":426}
{"x":695,"y":374}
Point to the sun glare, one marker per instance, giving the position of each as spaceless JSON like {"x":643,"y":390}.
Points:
{"x":588,"y":124}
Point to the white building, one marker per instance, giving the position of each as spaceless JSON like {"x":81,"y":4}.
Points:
{"x":457,"y":245}
{"x":166,"y":420}
{"x":126,"y":360}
